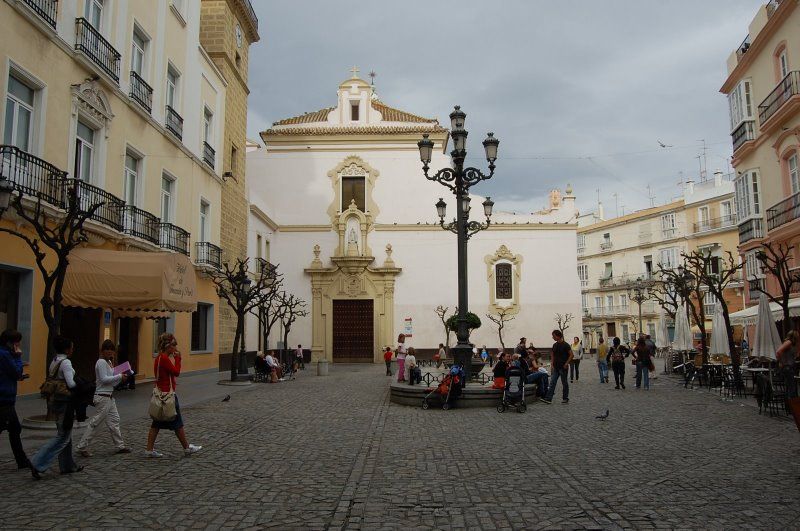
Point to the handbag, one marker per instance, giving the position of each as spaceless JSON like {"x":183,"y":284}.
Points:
{"x":54,"y":388}
{"x":162,"y":403}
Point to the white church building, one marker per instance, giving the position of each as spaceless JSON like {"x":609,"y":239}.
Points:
{"x":339,"y":203}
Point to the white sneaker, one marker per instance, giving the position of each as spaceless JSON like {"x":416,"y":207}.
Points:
{"x":153,"y":453}
{"x":192,"y":449}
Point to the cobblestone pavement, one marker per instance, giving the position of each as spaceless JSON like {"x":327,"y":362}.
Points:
{"x":332,"y":452}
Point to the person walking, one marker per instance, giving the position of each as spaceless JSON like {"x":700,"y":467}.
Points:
{"x":11,"y":372}
{"x":577,"y":355}
{"x":641,"y":356}
{"x":602,"y":364}
{"x":440,"y":355}
{"x":616,"y":356}
{"x":400,"y":354}
{"x":560,"y":359}
{"x":167,"y":371}
{"x":298,"y":358}
{"x":387,"y":358}
{"x":62,"y":407}
{"x":648,"y":340}
{"x":787,"y":361}
{"x":104,"y":402}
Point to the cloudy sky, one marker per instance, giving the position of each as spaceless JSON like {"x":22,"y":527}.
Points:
{"x":578,"y":91}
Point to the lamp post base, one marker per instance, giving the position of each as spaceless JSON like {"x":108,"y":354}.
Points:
{"x":242,"y":363}
{"x":462,"y":355}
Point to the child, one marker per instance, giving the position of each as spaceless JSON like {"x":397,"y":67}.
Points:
{"x":387,"y":357}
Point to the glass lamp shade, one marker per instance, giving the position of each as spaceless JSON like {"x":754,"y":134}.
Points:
{"x":5,"y":193}
{"x":465,"y":204}
{"x":457,"y":119}
{"x":490,"y":145}
{"x":487,"y":207}
{"x":425,"y":148}
{"x":441,"y":208}
{"x":459,"y":140}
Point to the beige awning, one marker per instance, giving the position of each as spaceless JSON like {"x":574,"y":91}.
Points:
{"x":132,"y":283}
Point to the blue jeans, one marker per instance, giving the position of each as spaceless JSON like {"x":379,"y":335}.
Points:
{"x":642,"y":375}
{"x":602,"y":367}
{"x":540,"y":379}
{"x":559,"y":373}
{"x":59,"y":446}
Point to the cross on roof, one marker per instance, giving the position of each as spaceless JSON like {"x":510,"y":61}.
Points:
{"x":355,"y":71}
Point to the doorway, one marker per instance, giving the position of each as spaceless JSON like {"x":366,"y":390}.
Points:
{"x":82,"y":326}
{"x":128,"y":341}
{"x":353,"y":331}
{"x":612,"y":329}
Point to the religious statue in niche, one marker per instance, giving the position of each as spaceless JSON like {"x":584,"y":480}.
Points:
{"x":353,"y":234}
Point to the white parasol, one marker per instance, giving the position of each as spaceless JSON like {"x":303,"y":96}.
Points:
{"x":663,"y":331}
{"x":767,"y":339}
{"x":683,"y":334}
{"x":719,"y":333}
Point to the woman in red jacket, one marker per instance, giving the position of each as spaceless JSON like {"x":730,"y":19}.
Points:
{"x":167,"y":370}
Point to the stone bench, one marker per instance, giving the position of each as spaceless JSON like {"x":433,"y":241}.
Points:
{"x":472,"y":396}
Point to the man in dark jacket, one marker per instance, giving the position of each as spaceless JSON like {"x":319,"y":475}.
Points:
{"x":10,"y":374}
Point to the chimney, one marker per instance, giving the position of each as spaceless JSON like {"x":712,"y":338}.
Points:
{"x":690,"y":187}
{"x":717,"y":178}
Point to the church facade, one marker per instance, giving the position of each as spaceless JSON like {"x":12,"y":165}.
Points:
{"x":339,"y":203}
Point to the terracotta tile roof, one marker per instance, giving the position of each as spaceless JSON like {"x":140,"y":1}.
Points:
{"x":358,"y":130}
{"x":390,"y":114}
{"x":307,"y":118}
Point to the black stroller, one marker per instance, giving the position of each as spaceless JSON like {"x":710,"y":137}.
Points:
{"x":514,"y":392}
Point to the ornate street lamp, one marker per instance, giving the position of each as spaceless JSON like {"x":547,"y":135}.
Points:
{"x":639,"y":292}
{"x":243,"y":285}
{"x":459,"y":180}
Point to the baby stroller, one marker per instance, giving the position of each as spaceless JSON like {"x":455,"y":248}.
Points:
{"x":514,"y":392}
{"x":449,"y":389}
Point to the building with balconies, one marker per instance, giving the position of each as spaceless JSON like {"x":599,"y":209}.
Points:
{"x":763,"y":90}
{"x":116,"y":101}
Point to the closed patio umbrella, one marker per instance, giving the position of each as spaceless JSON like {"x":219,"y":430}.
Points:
{"x":662,"y":341}
{"x":719,"y":334}
{"x":767,"y":339}
{"x":683,"y":334}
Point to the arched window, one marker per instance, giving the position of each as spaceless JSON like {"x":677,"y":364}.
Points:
{"x":504,"y":287}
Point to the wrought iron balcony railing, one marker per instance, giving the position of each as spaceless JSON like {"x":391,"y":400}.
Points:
{"x":208,"y":154}
{"x":624,"y":280}
{"x":111,"y":207}
{"x":89,"y":41}
{"x":755,"y":287}
{"x":141,"y":224}
{"x":787,"y":87}
{"x":173,"y":122}
{"x":31,"y":175}
{"x":173,"y":238}
{"x":208,"y":254}
{"x":742,"y":49}
{"x":744,"y":133}
{"x":784,"y":212}
{"x":46,"y":9}
{"x":606,"y":245}
{"x":141,"y":92}
{"x":751,"y":229}
{"x":773,"y":6}
{"x":715,"y":223}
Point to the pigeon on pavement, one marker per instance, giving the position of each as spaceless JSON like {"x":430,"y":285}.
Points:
{"x":604,"y":416}
{"x":227,"y":398}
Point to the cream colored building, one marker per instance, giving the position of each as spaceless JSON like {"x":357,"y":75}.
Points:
{"x":614,"y":254}
{"x":122,"y":96}
{"x":763,"y":90}
{"x":340,"y":197}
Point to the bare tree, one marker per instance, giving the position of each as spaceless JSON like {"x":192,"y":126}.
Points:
{"x":500,"y":319}
{"x":634,"y":321}
{"x":666,"y":293}
{"x":291,"y":307}
{"x":441,"y":311}
{"x":563,"y":321}
{"x":243,"y":292}
{"x":267,"y":310}
{"x":776,"y":260}
{"x":684,"y":282}
{"x":59,"y":233}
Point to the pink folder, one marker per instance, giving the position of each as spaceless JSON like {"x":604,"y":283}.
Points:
{"x":125,"y":367}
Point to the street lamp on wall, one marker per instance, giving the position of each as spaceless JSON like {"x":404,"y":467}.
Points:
{"x":6,"y":188}
{"x":458,"y":180}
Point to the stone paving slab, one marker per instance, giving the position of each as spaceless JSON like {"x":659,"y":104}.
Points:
{"x":333,"y":453}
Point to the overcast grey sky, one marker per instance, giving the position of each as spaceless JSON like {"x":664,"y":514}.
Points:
{"x":577,"y":91}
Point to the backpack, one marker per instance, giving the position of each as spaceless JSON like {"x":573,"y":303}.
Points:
{"x":54,"y":388}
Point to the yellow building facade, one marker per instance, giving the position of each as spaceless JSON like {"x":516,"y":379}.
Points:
{"x":122,"y":97}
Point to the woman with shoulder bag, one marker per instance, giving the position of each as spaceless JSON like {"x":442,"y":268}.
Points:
{"x":167,"y":370}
